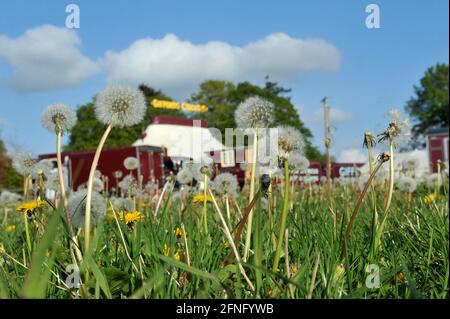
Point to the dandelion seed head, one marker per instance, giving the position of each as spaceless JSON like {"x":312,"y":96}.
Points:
{"x":407,"y":184}
{"x":9,"y":198}
{"x":270,"y":168}
{"x":254,"y":112}
{"x":128,"y":183}
{"x":298,"y":162}
{"x":57,"y":117}
{"x":290,"y":140}
{"x":410,"y":163}
{"x":124,"y":204}
{"x":97,"y":185}
{"x":24,"y":163}
{"x":44,"y":167}
{"x":120,"y":106}
{"x":226,"y":183}
{"x":131,"y":163}
{"x":399,"y":128}
{"x":77,"y":208}
{"x":184,"y":176}
{"x":52,"y":182}
{"x":117,"y":174}
{"x":199,"y":170}
{"x":430,"y":180}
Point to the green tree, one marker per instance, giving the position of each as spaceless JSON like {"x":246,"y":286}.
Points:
{"x":86,"y":134}
{"x":9,"y":178}
{"x":429,"y":107}
{"x":223,"y":97}
{"x":5,"y":161}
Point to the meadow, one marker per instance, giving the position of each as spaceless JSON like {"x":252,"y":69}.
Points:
{"x":381,"y":234}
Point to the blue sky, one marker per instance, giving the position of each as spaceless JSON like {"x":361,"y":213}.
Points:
{"x":317,"y":48}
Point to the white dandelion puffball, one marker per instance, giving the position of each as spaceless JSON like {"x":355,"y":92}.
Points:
{"x":407,"y":184}
{"x":226,"y":183}
{"x":52,"y":182}
{"x":290,"y":140}
{"x":9,"y":198}
{"x":254,"y":112}
{"x":117,"y":174}
{"x":120,"y":106}
{"x":24,"y":163}
{"x":410,"y":163}
{"x":298,"y":162}
{"x":199,"y":170}
{"x":127,"y":183}
{"x":98,"y":174}
{"x":57,"y":117}
{"x":399,"y":127}
{"x":124,"y":204}
{"x":131,"y":163}
{"x":97,"y":185}
{"x":270,"y":168}
{"x":77,"y":208}
{"x":430,"y":180}
{"x":184,"y":176}
{"x":44,"y":167}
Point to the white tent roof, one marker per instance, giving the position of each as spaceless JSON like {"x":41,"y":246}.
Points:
{"x":181,"y":140}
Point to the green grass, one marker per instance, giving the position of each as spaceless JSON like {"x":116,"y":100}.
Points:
{"x":414,"y":245}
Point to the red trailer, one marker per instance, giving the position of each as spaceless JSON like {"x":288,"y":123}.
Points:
{"x":349,"y":170}
{"x":228,"y":161}
{"x":79,"y":163}
{"x":438,"y":146}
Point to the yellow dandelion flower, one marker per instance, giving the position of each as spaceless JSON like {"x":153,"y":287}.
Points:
{"x":201,"y":198}
{"x":177,"y":256}
{"x":178,"y":232}
{"x":30,"y":207}
{"x":10,"y":228}
{"x":166,"y":250}
{"x":130,"y":217}
{"x":428,"y":199}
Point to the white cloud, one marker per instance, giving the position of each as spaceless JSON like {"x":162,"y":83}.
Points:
{"x":45,"y":57}
{"x":352,"y":155}
{"x":337,"y":116}
{"x":175,"y":65}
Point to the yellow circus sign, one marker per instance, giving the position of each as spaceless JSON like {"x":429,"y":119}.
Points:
{"x":171,"y":105}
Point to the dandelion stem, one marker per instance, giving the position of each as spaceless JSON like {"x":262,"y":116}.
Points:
{"x":283,"y":217}
{"x":205,"y":190}
{"x":230,"y":240}
{"x":389,"y":196}
{"x":27,"y":233}
{"x":87,"y":220}
{"x":251,"y":195}
{"x":391,"y":178}
{"x":360,"y":199}
{"x":62,"y":186}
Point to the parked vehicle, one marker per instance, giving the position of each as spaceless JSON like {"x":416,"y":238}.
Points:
{"x":438,"y":146}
